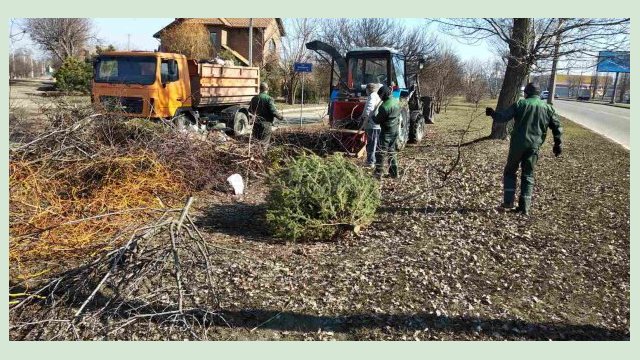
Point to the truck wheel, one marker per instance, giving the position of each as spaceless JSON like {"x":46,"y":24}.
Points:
{"x":240,"y":124}
{"x":416,"y":134}
{"x":403,"y":132}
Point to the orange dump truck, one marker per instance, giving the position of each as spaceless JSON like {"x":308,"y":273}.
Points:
{"x":170,"y":86}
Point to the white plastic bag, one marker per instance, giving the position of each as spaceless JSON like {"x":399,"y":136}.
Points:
{"x":237,"y":183}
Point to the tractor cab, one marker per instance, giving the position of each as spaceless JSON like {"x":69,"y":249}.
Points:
{"x":375,"y":65}
{"x":378,"y":65}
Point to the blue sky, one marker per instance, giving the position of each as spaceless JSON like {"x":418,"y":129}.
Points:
{"x":139,"y":32}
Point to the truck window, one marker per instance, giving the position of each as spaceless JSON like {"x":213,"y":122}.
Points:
{"x":125,"y":70}
{"x":169,"y":70}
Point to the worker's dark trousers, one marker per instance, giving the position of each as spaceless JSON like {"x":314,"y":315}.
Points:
{"x":526,"y":160}
{"x":386,"y":158}
{"x":262,"y":133}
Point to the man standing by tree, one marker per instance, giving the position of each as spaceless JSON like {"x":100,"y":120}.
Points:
{"x":388,"y":118}
{"x":264,"y":111}
{"x":532,"y":119}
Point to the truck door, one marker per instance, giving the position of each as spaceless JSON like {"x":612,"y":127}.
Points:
{"x":173,"y":88}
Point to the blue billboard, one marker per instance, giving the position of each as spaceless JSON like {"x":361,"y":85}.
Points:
{"x":613,"y":61}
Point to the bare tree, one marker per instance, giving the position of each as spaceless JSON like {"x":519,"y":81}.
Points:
{"x":532,"y":41}
{"x":346,"y":34}
{"x":22,"y":64}
{"x":623,"y":87}
{"x":62,"y":37}
{"x":496,"y":76}
{"x":442,"y":77}
{"x":190,"y":39}
{"x":476,"y":81}
{"x":300,"y":31}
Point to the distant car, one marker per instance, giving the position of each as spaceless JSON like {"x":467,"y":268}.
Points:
{"x":584,"y":94}
{"x":544,"y":95}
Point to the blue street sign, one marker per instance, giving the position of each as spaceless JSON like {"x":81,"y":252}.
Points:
{"x":302,"y":67}
{"x":613,"y":61}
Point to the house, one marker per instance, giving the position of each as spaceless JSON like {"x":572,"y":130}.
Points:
{"x":232,"y":34}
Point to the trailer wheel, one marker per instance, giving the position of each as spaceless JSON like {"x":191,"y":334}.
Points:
{"x":418,"y":126}
{"x":240,"y":124}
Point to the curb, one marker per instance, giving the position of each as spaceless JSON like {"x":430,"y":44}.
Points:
{"x":597,"y":103}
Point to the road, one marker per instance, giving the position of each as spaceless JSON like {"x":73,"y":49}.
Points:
{"x":609,"y":121}
{"x":309,"y":116}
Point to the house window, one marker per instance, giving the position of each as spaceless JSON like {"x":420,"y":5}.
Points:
{"x":272,"y":45}
{"x":214,"y":39}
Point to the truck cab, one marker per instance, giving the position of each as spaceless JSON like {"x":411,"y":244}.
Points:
{"x":142,"y":84}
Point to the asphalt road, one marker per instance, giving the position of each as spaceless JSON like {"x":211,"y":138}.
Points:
{"x":309,"y":116}
{"x":609,"y":121}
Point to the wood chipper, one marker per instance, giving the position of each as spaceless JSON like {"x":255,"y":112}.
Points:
{"x":349,"y":76}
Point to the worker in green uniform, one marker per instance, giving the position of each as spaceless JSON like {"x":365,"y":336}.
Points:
{"x":532,"y":119}
{"x":264,"y":111}
{"x":388,"y":118}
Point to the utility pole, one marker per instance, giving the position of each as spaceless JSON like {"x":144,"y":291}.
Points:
{"x":250,"y":41}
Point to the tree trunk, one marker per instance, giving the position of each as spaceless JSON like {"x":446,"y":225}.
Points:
{"x":615,"y":89}
{"x":606,"y":86}
{"x":515,"y":74}
{"x":623,"y":88}
{"x":554,"y":67}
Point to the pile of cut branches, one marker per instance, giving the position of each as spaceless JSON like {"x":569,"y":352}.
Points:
{"x":85,"y":182}
{"x":160,"y":276}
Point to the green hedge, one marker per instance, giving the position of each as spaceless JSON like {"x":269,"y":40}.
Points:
{"x":314,"y":198}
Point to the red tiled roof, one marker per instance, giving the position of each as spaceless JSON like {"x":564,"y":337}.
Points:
{"x":229,"y":22}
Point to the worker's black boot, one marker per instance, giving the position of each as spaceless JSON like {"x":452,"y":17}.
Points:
{"x":507,"y":205}
{"x":524,"y":206}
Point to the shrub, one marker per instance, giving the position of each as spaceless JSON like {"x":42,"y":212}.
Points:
{"x":317,"y":198}
{"x":228,"y":55}
{"x":190,"y":39}
{"x":74,"y":75}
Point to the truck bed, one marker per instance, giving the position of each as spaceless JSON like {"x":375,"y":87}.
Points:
{"x":217,"y":85}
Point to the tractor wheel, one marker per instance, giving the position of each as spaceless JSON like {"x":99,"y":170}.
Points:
{"x":403,"y":133}
{"x":240,"y":124}
{"x":418,"y":127}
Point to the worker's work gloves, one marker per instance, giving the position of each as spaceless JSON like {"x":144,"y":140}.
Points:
{"x":557,"y":149}
{"x":489,"y":111}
